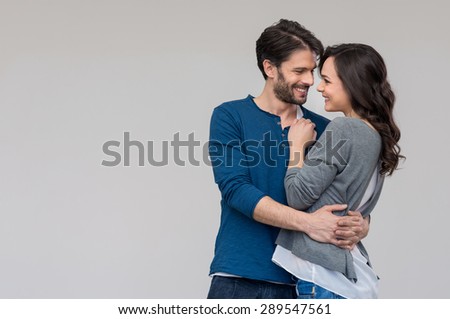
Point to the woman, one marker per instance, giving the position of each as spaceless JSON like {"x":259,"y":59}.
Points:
{"x":346,"y":165}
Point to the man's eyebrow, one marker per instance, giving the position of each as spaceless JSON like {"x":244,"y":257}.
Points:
{"x":303,"y":69}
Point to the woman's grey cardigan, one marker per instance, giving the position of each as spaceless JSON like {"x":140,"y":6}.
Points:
{"x":337,"y":170}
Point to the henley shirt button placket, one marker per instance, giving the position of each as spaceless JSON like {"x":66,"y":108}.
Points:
{"x":282,"y":134}
{"x":285,"y":140}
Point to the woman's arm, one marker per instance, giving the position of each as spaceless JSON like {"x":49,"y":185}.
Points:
{"x":303,"y":191}
{"x":306,"y":179}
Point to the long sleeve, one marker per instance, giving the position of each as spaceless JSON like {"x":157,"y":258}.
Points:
{"x":231,"y":172}
{"x":324,"y":161}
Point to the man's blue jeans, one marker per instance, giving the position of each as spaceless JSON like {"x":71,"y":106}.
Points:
{"x":309,"y":290}
{"x":243,"y":288}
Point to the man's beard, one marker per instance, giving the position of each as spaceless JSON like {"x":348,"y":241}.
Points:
{"x":285,"y":93}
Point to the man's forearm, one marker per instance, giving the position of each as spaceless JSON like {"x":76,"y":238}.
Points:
{"x":320,"y":225}
{"x":270,"y":212}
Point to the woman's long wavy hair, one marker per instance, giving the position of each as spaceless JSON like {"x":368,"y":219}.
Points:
{"x":364,"y":76}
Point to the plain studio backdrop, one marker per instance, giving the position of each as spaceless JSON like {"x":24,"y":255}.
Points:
{"x":75,"y":75}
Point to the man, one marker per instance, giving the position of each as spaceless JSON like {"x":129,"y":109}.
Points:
{"x":249,"y":152}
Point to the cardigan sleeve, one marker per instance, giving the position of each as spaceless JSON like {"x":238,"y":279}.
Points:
{"x":325,"y":159}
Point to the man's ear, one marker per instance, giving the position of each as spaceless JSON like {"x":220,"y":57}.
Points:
{"x":269,"y":69}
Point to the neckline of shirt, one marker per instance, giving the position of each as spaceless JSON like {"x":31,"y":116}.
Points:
{"x":299,"y":109}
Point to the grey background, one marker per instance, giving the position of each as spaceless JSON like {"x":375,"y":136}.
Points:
{"x":75,"y":74}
